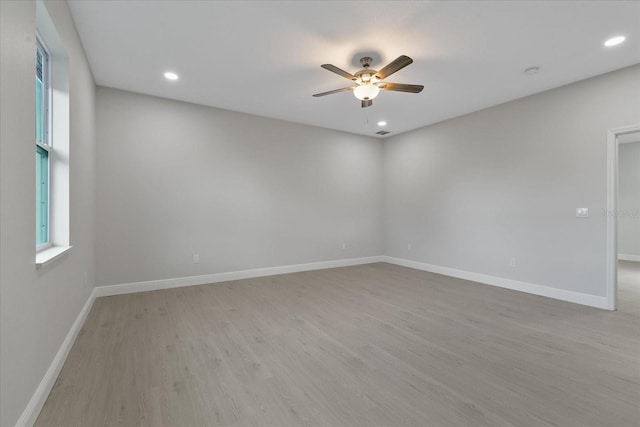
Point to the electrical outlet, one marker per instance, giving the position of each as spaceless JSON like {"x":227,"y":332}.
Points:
{"x":513,"y":262}
{"x":196,"y":258}
{"x":582,"y":212}
{"x":344,"y":246}
{"x":409,"y":247}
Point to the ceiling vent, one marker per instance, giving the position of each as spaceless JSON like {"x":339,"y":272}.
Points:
{"x":382,"y":132}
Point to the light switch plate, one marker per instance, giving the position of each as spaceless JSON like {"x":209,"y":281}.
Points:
{"x":582,"y":212}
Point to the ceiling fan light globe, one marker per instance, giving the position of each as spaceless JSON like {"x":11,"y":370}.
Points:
{"x":366,"y":91}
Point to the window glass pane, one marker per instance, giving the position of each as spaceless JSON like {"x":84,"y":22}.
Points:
{"x":42,"y":155}
{"x":40,"y":96}
{"x":39,"y":112}
{"x":42,"y":195}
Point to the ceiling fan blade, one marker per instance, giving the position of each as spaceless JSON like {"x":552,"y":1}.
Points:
{"x":338,"y":71}
{"x":334,"y":91}
{"x":399,"y":63}
{"x":399,"y":87}
{"x":367,"y":103}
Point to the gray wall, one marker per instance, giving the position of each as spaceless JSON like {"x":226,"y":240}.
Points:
{"x":243,"y":192}
{"x":629,"y":199}
{"x":473,"y":192}
{"x":38,"y":306}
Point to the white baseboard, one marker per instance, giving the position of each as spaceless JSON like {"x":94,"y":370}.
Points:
{"x":32,"y":410}
{"x":545,"y":291}
{"x":532,"y":288}
{"x":628,"y":257}
{"x":154,"y":285}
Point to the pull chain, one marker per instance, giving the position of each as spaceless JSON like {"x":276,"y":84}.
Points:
{"x":366,"y":118}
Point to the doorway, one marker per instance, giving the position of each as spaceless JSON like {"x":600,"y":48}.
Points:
{"x":623,"y":216}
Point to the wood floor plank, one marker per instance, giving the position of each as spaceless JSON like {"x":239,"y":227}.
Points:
{"x":372,"y":345}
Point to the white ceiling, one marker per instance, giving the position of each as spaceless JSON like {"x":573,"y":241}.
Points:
{"x":264,"y":57}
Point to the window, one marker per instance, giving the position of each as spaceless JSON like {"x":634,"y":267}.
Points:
{"x":51,"y":129}
{"x":43,"y":144}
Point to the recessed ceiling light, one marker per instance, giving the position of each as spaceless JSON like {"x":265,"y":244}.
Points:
{"x":531,"y":71}
{"x":170,"y":76}
{"x":382,"y":123}
{"x":614,"y":41}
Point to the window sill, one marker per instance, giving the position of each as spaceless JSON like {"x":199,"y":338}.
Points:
{"x":47,"y":255}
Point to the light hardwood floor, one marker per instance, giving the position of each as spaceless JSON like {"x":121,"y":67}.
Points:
{"x":372,"y":345}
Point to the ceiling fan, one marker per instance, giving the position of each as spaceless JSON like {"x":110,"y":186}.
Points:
{"x":369,"y":82}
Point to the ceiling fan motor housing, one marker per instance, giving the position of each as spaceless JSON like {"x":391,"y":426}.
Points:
{"x":366,"y":75}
